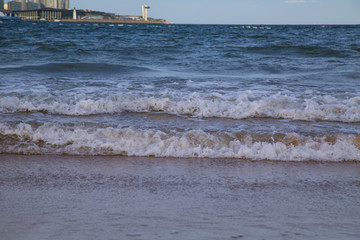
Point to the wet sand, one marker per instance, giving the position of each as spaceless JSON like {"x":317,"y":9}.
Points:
{"x":75,"y":197}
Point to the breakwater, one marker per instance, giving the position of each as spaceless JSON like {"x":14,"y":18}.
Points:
{"x":115,"y":21}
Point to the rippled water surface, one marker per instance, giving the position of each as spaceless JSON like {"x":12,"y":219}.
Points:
{"x":264,"y":92}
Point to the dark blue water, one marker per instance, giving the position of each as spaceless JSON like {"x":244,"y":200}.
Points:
{"x":255,"y":92}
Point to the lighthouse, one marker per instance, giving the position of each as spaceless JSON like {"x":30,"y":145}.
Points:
{"x":144,"y":12}
{"x":74,"y":14}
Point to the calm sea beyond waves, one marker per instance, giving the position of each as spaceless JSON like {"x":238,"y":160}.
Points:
{"x":142,"y":131}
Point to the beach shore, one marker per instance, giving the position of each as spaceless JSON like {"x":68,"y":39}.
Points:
{"x":78,"y":197}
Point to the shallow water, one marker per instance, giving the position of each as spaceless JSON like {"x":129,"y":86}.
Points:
{"x":271,"y":92}
{"x":69,"y":197}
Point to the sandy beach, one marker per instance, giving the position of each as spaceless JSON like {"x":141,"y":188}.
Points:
{"x":78,"y":197}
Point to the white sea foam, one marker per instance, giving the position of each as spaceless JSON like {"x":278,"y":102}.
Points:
{"x":56,"y":139}
{"x":235,"y":106}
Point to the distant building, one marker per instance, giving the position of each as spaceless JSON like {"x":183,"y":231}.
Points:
{"x":49,"y":14}
{"x":15,"y":6}
{"x":93,"y":17}
{"x":23,"y":5}
{"x":32,"y":5}
{"x":58,"y":4}
{"x":34,"y":1}
{"x":49,"y":3}
{"x":36,"y":4}
{"x":63,"y":4}
{"x":1,"y":4}
{"x":129,"y":18}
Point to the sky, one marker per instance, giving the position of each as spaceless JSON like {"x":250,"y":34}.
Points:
{"x":235,"y":11}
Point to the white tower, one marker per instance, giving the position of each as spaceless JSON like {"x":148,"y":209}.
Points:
{"x":74,"y":14}
{"x":144,"y":12}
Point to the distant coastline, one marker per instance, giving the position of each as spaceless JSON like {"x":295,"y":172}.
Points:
{"x":79,"y":15}
{"x":103,"y":21}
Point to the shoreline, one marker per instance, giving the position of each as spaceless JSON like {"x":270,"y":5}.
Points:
{"x":185,"y":159}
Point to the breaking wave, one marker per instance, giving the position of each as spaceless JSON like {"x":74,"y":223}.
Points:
{"x":241,"y":106}
{"x":52,"y":138}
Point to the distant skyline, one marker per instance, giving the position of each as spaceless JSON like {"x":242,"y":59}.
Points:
{"x":235,"y":11}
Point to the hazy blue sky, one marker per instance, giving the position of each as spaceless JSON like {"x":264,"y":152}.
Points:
{"x":236,"y":11}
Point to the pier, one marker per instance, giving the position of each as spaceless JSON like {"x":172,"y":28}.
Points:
{"x":47,"y":14}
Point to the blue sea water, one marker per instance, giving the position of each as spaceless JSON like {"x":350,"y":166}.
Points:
{"x":209,"y":91}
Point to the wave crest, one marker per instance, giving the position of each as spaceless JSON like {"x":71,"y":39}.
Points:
{"x":242,"y":106}
{"x":56,"y":139}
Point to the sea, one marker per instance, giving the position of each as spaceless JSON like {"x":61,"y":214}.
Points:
{"x":284,"y":93}
{"x":191,"y":132}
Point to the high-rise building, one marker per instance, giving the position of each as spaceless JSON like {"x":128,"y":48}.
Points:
{"x":59,"y":4}
{"x":49,"y":3}
{"x":19,"y":5}
{"x":63,"y":4}
{"x":23,"y":5}
{"x":1,"y":4}
{"x":33,"y":4}
{"x":15,"y":5}
{"x":46,"y":3}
